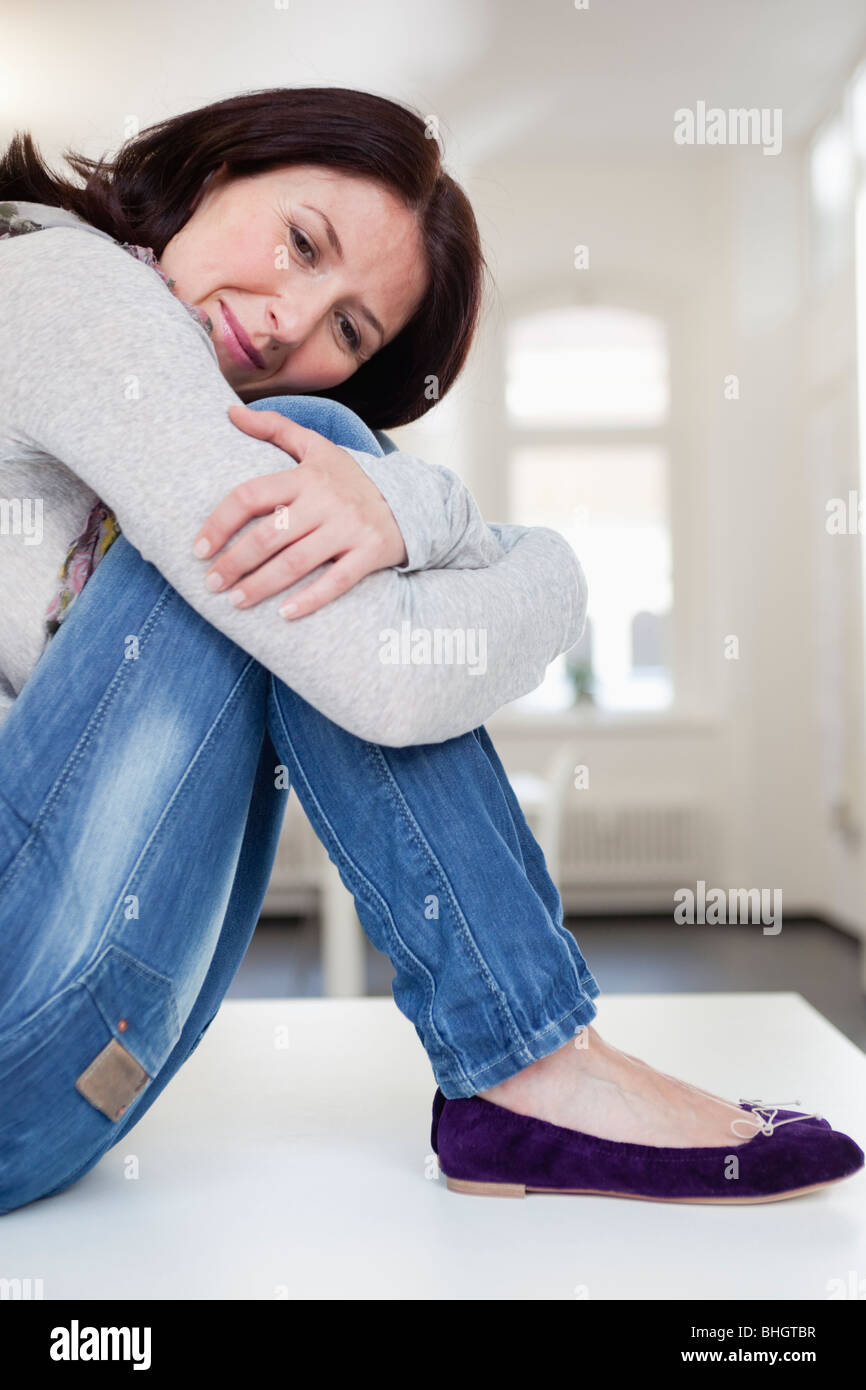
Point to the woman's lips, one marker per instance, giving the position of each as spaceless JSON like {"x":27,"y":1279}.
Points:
{"x":237,"y":342}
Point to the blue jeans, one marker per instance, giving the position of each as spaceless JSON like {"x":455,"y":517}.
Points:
{"x":141,"y":804}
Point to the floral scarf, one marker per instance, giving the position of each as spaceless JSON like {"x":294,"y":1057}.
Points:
{"x":101,"y":528}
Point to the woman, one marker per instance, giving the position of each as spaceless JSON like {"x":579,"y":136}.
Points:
{"x":312,"y":258}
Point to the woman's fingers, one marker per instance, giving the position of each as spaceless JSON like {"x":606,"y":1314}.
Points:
{"x":275,"y":428}
{"x":343,"y":574}
{"x":286,"y":568}
{"x":323,"y":509}
{"x":253,"y":497}
{"x":283,"y":527}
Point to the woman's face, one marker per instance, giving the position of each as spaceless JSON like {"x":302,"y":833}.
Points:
{"x":310,"y":269}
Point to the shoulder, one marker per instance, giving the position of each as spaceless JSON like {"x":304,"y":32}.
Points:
{"x":75,"y":247}
{"x":74,"y":272}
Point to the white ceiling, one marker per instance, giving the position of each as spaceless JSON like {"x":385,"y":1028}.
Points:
{"x":513,"y":79}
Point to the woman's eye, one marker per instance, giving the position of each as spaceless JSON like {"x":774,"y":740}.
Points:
{"x":352,"y":338}
{"x":302,"y":246}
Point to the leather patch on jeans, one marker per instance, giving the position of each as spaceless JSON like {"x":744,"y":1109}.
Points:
{"x":112,"y":1081}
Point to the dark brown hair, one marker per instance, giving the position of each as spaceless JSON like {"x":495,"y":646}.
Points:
{"x":147,"y":191}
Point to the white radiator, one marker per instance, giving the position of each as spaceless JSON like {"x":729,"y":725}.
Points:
{"x":631,"y":852}
{"x":633,"y":842}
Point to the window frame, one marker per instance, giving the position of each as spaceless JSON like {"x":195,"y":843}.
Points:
{"x":665,"y":435}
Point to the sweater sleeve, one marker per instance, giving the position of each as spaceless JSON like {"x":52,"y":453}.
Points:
{"x":438,"y":517}
{"x":104,"y":370}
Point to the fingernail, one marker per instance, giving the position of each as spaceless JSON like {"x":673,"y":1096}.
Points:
{"x":287,"y":610}
{"x":214,"y":581}
{"x":201,"y":547}
{"x":237,"y":596}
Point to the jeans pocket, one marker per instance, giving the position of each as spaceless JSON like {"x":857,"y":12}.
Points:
{"x":70,"y":1071}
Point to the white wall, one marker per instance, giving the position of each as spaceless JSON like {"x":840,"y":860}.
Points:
{"x":715,"y":241}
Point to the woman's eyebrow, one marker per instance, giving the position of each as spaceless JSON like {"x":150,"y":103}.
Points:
{"x":338,"y":248}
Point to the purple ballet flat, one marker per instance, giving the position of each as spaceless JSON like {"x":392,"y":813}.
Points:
{"x":439,"y":1101}
{"x":487,"y":1150}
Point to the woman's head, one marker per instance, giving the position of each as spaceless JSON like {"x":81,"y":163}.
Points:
{"x":312,"y":269}
{"x":224,"y":196}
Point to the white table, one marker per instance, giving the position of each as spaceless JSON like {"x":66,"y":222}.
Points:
{"x":299,"y":1171}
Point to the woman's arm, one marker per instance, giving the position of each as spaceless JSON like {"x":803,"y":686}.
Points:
{"x":437,"y":515}
{"x":323,"y":507}
{"x":103,"y":369}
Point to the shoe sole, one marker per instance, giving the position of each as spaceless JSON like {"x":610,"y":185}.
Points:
{"x":516,"y":1189}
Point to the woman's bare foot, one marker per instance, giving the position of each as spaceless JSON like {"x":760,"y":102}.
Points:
{"x":590,"y":1086}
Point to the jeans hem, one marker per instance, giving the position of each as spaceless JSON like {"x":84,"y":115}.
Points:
{"x":538,"y":1045}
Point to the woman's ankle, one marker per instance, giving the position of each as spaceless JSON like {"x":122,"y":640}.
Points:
{"x":545,"y":1071}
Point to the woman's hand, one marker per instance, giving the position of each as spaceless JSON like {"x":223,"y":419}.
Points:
{"x":325,"y":509}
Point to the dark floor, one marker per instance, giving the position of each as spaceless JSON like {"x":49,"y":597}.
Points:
{"x":636,"y":955}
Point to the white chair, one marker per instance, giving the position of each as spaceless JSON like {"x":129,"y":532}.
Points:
{"x":343,"y":939}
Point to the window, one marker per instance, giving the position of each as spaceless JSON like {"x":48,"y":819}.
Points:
{"x":836,"y":172}
{"x":587,"y":368}
{"x":587,"y":401}
{"x":831,"y":178}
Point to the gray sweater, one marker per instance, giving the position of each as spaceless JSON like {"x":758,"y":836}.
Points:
{"x":108,"y":388}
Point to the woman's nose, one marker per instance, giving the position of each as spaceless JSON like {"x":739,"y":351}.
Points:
{"x":292,"y":316}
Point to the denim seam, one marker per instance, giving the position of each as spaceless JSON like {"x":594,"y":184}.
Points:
{"x":27,"y":1024}
{"x":159,"y":830}
{"x":556,"y":1025}
{"x":191,"y":771}
{"x":557,"y":921}
{"x":13,"y":811}
{"x":385,"y":912}
{"x":497,"y":994}
{"x":31,"y":1028}
{"x":142,"y":968}
{"x":25,"y":851}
